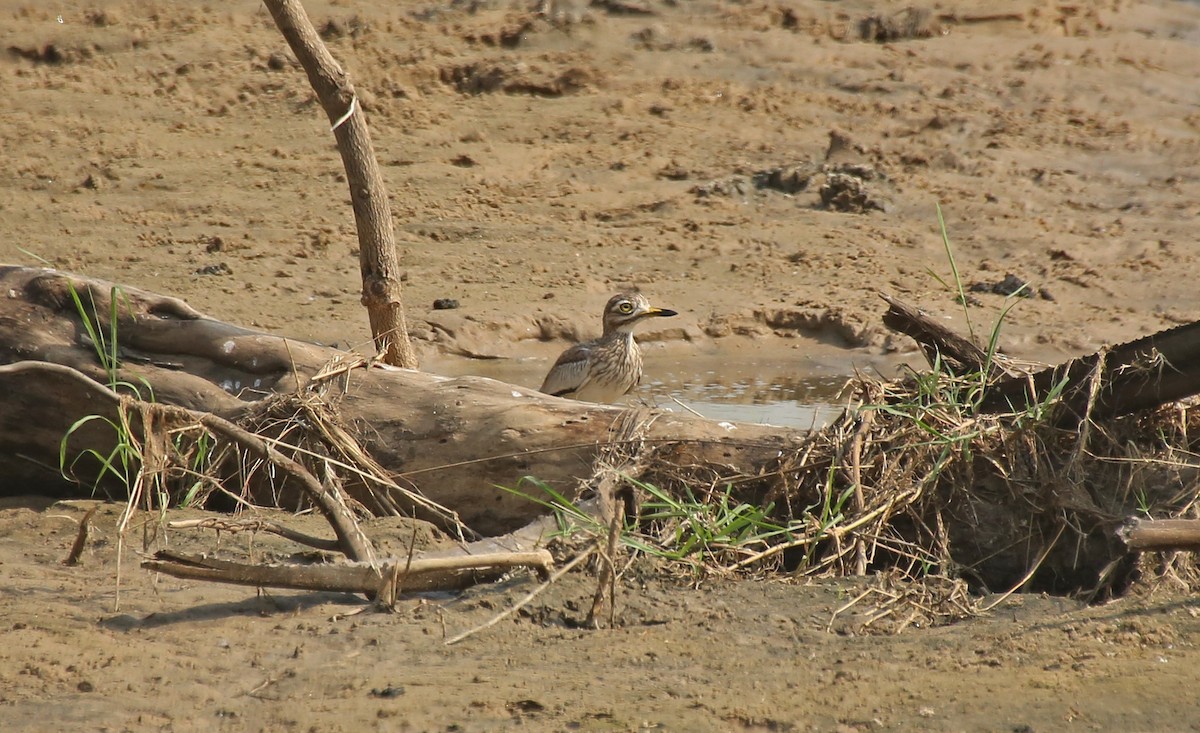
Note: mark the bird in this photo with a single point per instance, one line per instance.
(604, 369)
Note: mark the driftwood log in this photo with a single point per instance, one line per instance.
(937, 341)
(455, 441)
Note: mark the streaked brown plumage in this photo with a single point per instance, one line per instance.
(604, 369)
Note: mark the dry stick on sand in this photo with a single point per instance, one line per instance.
(80, 539)
(866, 419)
(368, 194)
(382, 582)
(612, 513)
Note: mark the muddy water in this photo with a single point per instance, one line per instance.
(753, 390)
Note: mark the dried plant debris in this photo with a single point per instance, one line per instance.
(789, 179)
(845, 186)
(55, 55)
(915, 480)
(891, 604)
(657, 38)
(848, 192)
(486, 78)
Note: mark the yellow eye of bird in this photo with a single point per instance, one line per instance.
(625, 307)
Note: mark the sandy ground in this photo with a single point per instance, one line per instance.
(731, 656)
(760, 167)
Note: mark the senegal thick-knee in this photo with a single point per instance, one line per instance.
(604, 369)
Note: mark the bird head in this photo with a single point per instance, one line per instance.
(626, 310)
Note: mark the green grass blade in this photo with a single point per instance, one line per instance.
(958, 284)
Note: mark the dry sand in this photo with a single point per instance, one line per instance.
(537, 164)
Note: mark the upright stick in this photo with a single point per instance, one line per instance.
(372, 214)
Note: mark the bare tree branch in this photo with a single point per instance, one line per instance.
(368, 194)
(394, 576)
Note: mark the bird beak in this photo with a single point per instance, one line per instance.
(660, 313)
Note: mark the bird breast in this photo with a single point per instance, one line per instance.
(616, 365)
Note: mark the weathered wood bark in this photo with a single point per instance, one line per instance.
(1138, 375)
(1147, 535)
(454, 440)
(936, 340)
(368, 195)
(1151, 371)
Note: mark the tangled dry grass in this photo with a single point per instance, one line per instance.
(915, 481)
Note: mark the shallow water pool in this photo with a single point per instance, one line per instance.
(740, 390)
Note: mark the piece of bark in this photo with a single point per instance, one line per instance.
(936, 340)
(1146, 535)
(368, 194)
